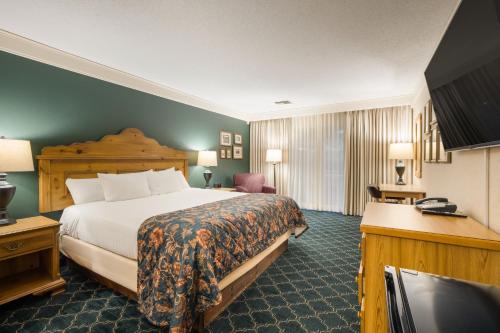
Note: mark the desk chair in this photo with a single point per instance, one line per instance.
(376, 194)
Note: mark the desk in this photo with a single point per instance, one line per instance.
(401, 236)
(401, 191)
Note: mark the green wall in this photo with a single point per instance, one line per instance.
(52, 106)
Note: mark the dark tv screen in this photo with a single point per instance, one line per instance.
(463, 77)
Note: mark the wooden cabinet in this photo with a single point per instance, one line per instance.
(400, 236)
(29, 258)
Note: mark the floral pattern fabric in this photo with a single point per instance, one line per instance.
(183, 254)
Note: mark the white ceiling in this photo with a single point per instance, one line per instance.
(245, 54)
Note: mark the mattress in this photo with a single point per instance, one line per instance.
(113, 226)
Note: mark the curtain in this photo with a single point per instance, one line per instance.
(272, 134)
(368, 134)
(317, 161)
(313, 158)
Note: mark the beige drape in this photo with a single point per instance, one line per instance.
(270, 134)
(317, 161)
(368, 134)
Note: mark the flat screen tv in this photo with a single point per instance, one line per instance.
(463, 77)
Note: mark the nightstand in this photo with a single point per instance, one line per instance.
(225, 189)
(29, 258)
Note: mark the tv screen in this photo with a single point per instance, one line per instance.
(463, 77)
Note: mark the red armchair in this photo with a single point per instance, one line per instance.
(251, 183)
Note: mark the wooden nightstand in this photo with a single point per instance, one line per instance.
(29, 258)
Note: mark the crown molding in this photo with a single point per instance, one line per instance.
(33, 50)
(337, 107)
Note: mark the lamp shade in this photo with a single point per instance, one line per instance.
(15, 156)
(274, 155)
(207, 158)
(401, 151)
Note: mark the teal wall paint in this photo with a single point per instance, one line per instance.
(52, 106)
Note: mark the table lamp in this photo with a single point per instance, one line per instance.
(207, 158)
(15, 156)
(400, 152)
(274, 156)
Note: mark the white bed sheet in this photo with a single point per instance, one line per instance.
(113, 226)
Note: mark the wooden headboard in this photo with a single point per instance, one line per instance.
(129, 151)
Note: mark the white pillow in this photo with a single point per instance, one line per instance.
(125, 186)
(164, 181)
(183, 184)
(85, 190)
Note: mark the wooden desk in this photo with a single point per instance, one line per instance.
(400, 236)
(401, 191)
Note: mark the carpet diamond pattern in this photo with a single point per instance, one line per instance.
(310, 288)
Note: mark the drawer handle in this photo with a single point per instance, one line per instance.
(14, 246)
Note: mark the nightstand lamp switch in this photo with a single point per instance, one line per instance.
(15, 156)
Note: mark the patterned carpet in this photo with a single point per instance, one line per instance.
(310, 288)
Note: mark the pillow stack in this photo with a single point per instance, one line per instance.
(119, 187)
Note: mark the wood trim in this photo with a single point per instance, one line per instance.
(229, 293)
(128, 151)
(233, 290)
(431, 237)
(30, 49)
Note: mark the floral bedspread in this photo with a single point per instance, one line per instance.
(183, 254)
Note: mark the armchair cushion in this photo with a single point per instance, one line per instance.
(251, 183)
(268, 189)
(240, 188)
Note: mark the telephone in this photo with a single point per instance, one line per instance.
(436, 205)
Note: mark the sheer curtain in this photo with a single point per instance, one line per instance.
(312, 170)
(317, 161)
(368, 134)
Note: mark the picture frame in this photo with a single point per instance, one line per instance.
(417, 139)
(238, 139)
(434, 143)
(433, 119)
(226, 138)
(442, 155)
(430, 118)
(223, 153)
(237, 152)
(229, 153)
(428, 147)
(425, 123)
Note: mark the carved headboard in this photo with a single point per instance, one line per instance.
(129, 151)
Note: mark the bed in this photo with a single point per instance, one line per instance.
(103, 238)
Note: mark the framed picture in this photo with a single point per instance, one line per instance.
(425, 123)
(434, 143)
(238, 139)
(417, 138)
(238, 152)
(442, 155)
(428, 147)
(432, 116)
(223, 153)
(229, 153)
(226, 138)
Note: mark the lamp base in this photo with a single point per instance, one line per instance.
(207, 174)
(400, 170)
(7, 221)
(7, 192)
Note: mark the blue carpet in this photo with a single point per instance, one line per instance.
(310, 288)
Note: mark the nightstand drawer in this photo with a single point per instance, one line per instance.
(18, 244)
